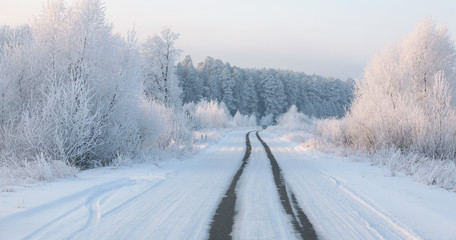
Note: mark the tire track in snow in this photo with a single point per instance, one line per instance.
(180, 207)
(90, 208)
(336, 210)
(223, 220)
(288, 200)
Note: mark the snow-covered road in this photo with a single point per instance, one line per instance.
(354, 200)
(179, 199)
(333, 208)
(260, 214)
(171, 203)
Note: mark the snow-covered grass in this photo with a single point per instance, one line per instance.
(441, 173)
(207, 136)
(328, 137)
(20, 173)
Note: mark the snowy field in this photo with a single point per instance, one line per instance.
(176, 199)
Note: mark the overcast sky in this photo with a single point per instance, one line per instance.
(330, 38)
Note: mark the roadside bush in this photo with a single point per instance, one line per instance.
(212, 114)
(208, 114)
(403, 110)
(294, 120)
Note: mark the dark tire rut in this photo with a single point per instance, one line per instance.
(299, 220)
(223, 220)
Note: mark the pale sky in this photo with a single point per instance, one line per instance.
(330, 38)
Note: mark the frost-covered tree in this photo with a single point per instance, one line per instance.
(72, 92)
(426, 51)
(228, 83)
(190, 83)
(291, 87)
(403, 98)
(247, 96)
(75, 83)
(15, 71)
(210, 71)
(273, 95)
(95, 58)
(160, 56)
(243, 90)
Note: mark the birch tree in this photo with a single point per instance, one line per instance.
(160, 56)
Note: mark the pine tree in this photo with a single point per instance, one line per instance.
(248, 95)
(273, 95)
(190, 83)
(228, 83)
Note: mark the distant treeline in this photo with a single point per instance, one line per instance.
(263, 91)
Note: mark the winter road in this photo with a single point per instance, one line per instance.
(222, 224)
(268, 186)
(223, 221)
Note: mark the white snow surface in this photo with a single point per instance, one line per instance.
(177, 199)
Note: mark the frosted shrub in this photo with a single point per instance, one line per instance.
(164, 128)
(436, 138)
(436, 172)
(150, 123)
(294, 126)
(240, 120)
(294, 120)
(69, 110)
(209, 114)
(332, 131)
(178, 135)
(426, 170)
(252, 120)
(59, 126)
(267, 120)
(122, 135)
(14, 171)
